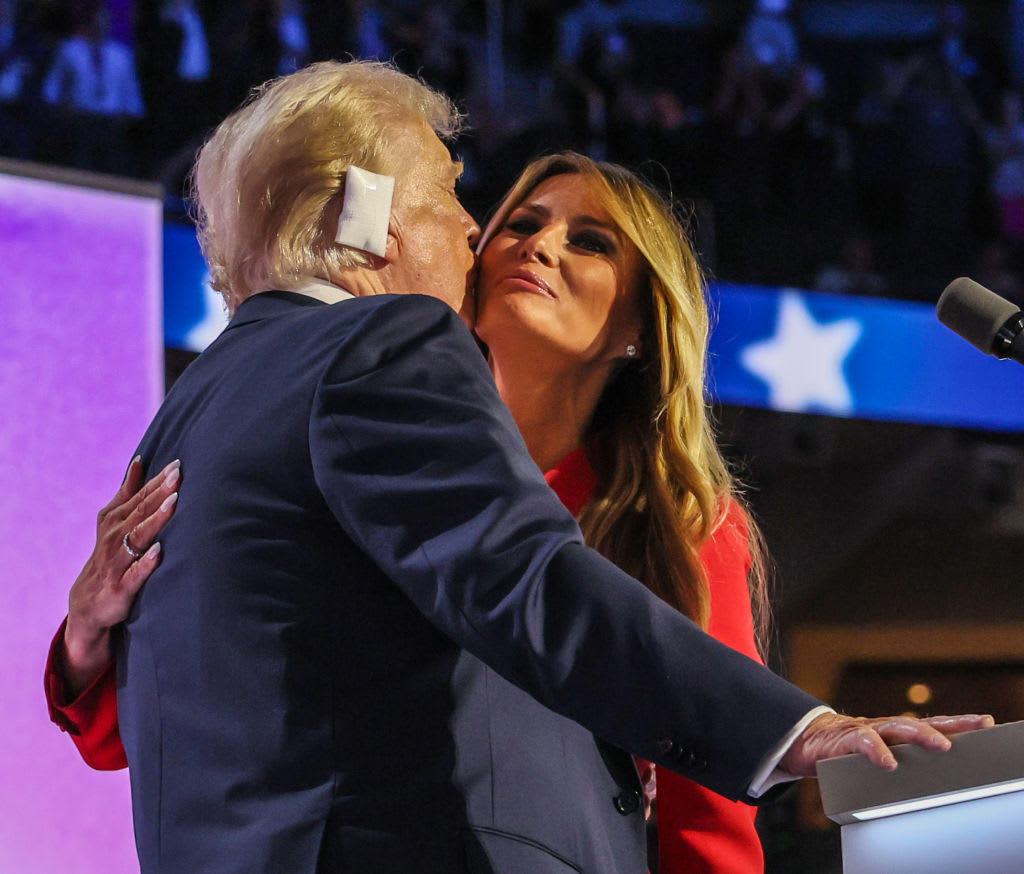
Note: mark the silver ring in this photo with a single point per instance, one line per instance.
(129, 549)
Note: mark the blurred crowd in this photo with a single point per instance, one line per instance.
(880, 153)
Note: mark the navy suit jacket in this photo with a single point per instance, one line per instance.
(376, 643)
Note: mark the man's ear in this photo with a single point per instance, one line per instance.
(392, 249)
(393, 245)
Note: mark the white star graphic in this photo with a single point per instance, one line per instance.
(803, 362)
(214, 320)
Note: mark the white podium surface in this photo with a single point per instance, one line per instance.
(941, 813)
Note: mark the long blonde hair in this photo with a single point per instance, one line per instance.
(664, 486)
(268, 182)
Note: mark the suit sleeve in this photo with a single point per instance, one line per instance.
(91, 718)
(422, 466)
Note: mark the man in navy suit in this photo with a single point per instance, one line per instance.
(376, 642)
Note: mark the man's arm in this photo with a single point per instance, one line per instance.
(424, 468)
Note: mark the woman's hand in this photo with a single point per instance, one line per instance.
(125, 554)
(833, 734)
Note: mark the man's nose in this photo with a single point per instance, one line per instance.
(472, 229)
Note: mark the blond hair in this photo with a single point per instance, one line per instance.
(663, 485)
(270, 179)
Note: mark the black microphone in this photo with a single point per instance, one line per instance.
(983, 318)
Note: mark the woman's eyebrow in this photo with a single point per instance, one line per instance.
(541, 209)
(534, 207)
(592, 220)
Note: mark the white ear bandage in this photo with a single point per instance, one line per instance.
(366, 211)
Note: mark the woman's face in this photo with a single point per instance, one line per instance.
(559, 270)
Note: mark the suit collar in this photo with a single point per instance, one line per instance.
(268, 304)
(321, 289)
(310, 292)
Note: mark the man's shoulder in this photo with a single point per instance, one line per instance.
(394, 315)
(376, 310)
(414, 303)
(387, 328)
(394, 306)
(360, 333)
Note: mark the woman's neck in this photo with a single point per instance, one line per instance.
(551, 404)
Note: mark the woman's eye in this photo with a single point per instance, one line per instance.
(592, 243)
(522, 226)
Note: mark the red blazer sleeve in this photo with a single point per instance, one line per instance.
(91, 719)
(698, 830)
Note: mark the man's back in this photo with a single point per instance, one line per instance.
(285, 706)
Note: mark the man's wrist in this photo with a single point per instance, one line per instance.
(769, 773)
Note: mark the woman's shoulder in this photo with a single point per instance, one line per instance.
(730, 539)
(726, 560)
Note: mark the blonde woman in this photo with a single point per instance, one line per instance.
(592, 306)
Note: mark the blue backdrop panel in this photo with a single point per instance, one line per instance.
(902, 364)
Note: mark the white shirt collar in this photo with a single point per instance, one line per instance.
(321, 289)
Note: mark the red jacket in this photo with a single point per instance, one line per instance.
(699, 831)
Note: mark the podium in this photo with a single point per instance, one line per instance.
(941, 813)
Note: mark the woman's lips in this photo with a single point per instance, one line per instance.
(538, 285)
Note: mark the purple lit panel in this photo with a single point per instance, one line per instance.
(80, 376)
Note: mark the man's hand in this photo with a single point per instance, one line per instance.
(105, 589)
(833, 734)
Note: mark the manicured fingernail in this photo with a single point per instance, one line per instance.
(153, 551)
(134, 461)
(172, 477)
(174, 464)
(169, 502)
